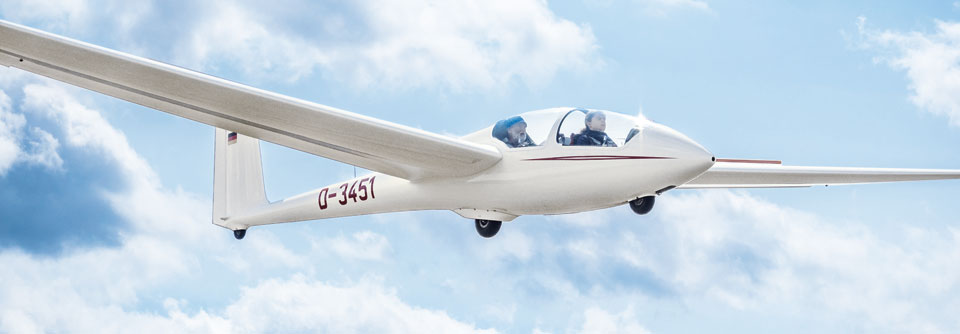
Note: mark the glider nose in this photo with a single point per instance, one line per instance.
(675, 144)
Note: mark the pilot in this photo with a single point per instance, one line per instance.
(513, 132)
(593, 134)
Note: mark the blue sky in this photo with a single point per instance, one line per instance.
(105, 205)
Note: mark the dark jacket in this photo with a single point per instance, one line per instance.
(589, 137)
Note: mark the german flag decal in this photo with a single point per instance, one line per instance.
(232, 138)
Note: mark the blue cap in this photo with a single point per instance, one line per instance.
(507, 123)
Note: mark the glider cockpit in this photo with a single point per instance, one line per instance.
(566, 127)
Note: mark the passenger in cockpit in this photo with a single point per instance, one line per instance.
(513, 132)
(593, 134)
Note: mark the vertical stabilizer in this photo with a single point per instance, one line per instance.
(237, 177)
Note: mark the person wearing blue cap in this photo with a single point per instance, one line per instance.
(513, 132)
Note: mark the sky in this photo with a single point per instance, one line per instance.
(105, 205)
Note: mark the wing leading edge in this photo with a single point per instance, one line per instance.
(347, 137)
(770, 175)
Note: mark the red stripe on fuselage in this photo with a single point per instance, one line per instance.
(597, 157)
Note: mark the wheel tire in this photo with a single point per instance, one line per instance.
(488, 228)
(239, 234)
(642, 205)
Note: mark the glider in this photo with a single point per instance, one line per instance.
(551, 161)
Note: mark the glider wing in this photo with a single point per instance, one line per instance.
(771, 174)
(336, 134)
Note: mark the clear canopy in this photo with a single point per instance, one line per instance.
(534, 128)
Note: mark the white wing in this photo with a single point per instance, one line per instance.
(328, 132)
(768, 174)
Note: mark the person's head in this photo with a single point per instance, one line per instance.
(516, 130)
(596, 121)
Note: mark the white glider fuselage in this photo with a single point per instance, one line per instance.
(546, 179)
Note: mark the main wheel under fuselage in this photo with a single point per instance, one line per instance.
(642, 205)
(487, 228)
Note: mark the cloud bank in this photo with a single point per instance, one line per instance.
(931, 61)
(456, 45)
(398, 45)
(18, 144)
(100, 288)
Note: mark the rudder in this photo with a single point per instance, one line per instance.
(237, 177)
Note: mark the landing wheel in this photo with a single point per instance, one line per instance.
(642, 205)
(488, 228)
(239, 234)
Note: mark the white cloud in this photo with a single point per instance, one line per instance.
(77, 16)
(752, 254)
(586, 249)
(85, 128)
(932, 63)
(42, 150)
(34, 147)
(164, 224)
(67, 12)
(13, 77)
(74, 302)
(693, 4)
(232, 33)
(755, 257)
(597, 320)
(299, 305)
(513, 245)
(171, 240)
(455, 45)
(363, 245)
(658, 7)
(501, 313)
(10, 128)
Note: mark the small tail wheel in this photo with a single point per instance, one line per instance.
(488, 228)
